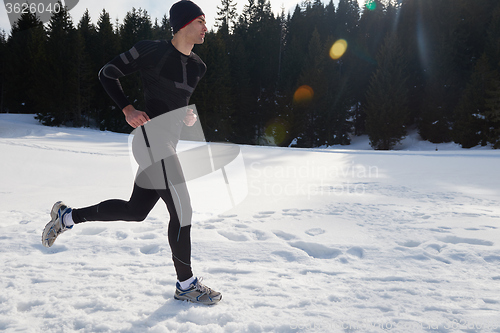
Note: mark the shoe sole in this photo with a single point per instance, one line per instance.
(46, 231)
(188, 300)
(53, 215)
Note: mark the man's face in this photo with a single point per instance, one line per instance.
(195, 31)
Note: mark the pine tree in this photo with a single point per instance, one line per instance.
(492, 112)
(244, 100)
(226, 16)
(471, 39)
(470, 127)
(60, 97)
(3, 55)
(347, 19)
(330, 19)
(492, 50)
(315, 17)
(492, 45)
(107, 48)
(106, 40)
(136, 26)
(88, 84)
(347, 28)
(260, 34)
(25, 57)
(294, 51)
(339, 101)
(163, 31)
(213, 96)
(443, 85)
(307, 111)
(372, 29)
(387, 97)
(413, 33)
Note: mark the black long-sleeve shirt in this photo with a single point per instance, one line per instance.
(168, 76)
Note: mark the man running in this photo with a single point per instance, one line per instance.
(170, 72)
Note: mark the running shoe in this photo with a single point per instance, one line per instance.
(197, 293)
(56, 226)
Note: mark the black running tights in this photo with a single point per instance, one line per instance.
(137, 208)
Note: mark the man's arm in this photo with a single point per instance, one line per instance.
(109, 76)
(135, 118)
(124, 64)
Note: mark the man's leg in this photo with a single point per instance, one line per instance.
(176, 198)
(179, 238)
(63, 217)
(137, 208)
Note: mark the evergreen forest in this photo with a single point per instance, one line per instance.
(312, 77)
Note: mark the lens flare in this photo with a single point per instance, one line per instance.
(303, 94)
(371, 5)
(338, 49)
(276, 131)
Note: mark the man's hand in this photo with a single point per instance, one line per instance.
(190, 118)
(134, 117)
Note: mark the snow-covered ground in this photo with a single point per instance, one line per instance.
(327, 240)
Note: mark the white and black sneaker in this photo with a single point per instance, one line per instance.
(197, 293)
(56, 225)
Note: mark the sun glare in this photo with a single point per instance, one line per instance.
(371, 5)
(303, 94)
(338, 49)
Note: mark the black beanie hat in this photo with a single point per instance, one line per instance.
(182, 13)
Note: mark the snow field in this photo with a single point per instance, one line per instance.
(327, 240)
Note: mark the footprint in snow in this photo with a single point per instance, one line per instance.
(410, 244)
(436, 247)
(120, 235)
(148, 236)
(150, 249)
(263, 215)
(316, 250)
(291, 212)
(227, 216)
(286, 255)
(221, 218)
(283, 235)
(27, 306)
(315, 231)
(356, 251)
(460, 240)
(492, 259)
(215, 220)
(490, 301)
(259, 235)
(489, 226)
(421, 215)
(249, 234)
(233, 236)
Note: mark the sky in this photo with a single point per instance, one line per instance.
(155, 8)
